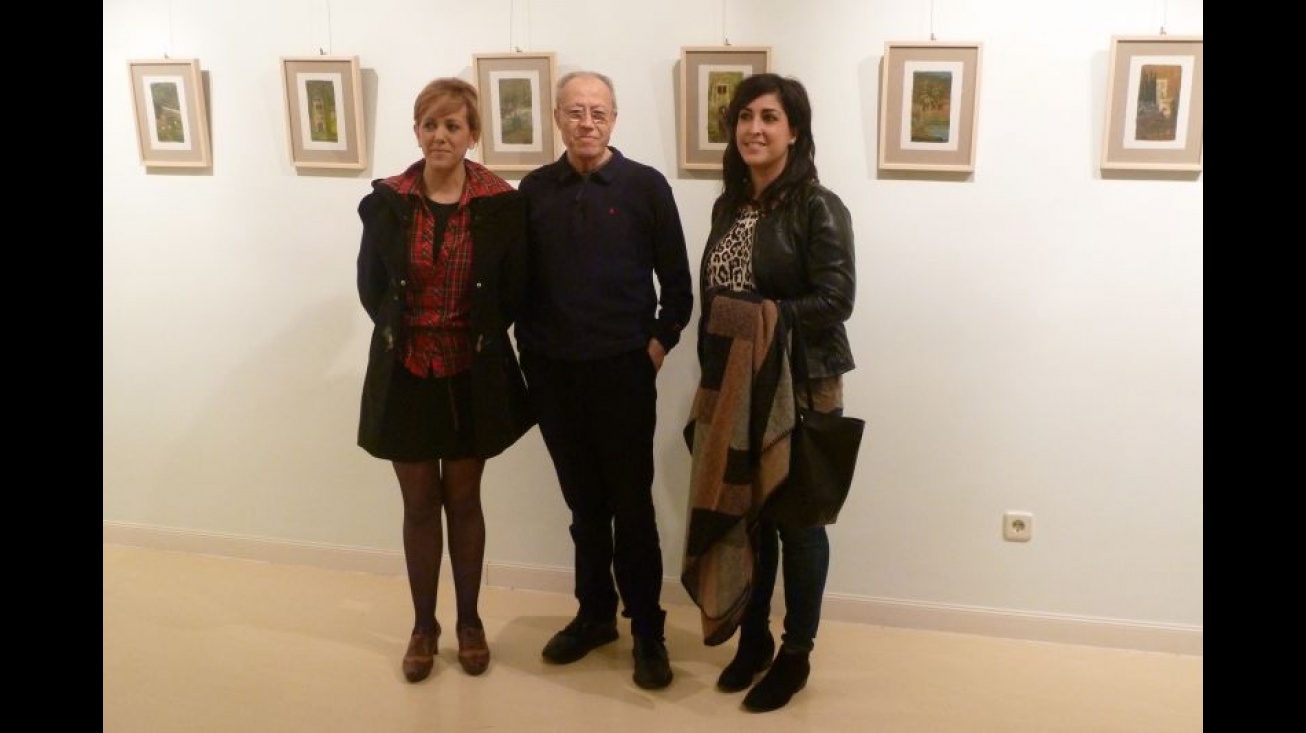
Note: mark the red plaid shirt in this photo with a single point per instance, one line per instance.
(438, 319)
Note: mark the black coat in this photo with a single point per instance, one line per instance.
(803, 257)
(500, 403)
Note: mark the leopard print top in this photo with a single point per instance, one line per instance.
(730, 261)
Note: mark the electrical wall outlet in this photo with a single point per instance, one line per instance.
(1017, 526)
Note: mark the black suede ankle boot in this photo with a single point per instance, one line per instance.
(788, 675)
(753, 655)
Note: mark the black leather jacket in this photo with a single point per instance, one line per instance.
(803, 257)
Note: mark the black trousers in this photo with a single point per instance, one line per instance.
(597, 419)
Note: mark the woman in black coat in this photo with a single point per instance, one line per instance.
(441, 273)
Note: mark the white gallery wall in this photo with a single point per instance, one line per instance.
(1028, 338)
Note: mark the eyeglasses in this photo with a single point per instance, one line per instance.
(576, 115)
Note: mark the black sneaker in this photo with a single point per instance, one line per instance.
(652, 668)
(578, 638)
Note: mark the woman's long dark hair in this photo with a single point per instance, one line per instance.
(800, 168)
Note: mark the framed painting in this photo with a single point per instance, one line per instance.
(172, 126)
(1154, 104)
(708, 77)
(929, 105)
(516, 99)
(324, 111)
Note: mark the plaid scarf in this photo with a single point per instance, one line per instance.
(738, 433)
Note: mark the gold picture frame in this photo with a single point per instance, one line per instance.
(172, 125)
(324, 111)
(516, 104)
(1154, 103)
(929, 105)
(708, 77)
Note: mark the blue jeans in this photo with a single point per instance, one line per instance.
(806, 564)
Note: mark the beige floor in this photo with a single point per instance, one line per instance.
(195, 643)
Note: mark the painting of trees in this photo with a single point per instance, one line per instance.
(166, 98)
(1158, 102)
(516, 116)
(931, 106)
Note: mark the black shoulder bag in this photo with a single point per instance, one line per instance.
(822, 455)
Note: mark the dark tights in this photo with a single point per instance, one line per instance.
(458, 493)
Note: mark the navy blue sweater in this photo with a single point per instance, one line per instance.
(596, 244)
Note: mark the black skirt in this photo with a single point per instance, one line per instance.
(426, 418)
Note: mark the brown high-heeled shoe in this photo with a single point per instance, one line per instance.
(473, 651)
(420, 656)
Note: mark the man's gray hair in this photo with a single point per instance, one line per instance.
(557, 92)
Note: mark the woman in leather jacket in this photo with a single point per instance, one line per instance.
(441, 273)
(777, 231)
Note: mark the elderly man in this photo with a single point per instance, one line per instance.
(592, 338)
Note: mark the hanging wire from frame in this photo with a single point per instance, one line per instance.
(320, 50)
(512, 25)
(931, 20)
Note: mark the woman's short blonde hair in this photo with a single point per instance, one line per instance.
(446, 94)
